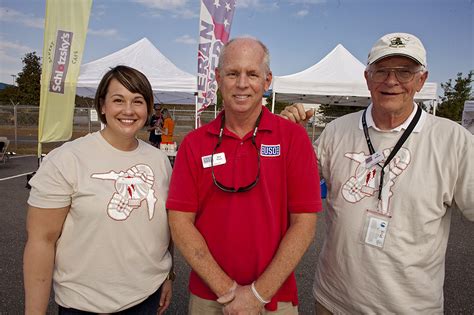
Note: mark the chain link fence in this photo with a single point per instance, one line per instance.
(19, 123)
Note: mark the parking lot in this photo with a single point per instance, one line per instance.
(459, 284)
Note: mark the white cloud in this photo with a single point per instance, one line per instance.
(103, 32)
(248, 4)
(98, 11)
(6, 75)
(186, 39)
(165, 5)
(13, 51)
(308, 1)
(302, 13)
(187, 14)
(13, 16)
(275, 4)
(7, 60)
(14, 46)
(178, 8)
(10, 58)
(260, 5)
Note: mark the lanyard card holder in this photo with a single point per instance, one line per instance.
(375, 229)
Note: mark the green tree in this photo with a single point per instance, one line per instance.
(84, 101)
(28, 80)
(279, 106)
(219, 100)
(8, 95)
(425, 107)
(452, 103)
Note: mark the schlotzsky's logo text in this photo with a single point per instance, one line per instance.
(61, 62)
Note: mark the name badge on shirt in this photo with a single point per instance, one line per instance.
(375, 158)
(376, 230)
(219, 159)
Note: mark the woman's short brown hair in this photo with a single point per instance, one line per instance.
(132, 79)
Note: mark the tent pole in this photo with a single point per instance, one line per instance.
(195, 111)
(314, 125)
(273, 101)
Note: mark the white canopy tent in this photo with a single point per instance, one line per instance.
(468, 116)
(338, 79)
(170, 84)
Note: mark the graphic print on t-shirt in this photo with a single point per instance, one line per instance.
(365, 182)
(132, 187)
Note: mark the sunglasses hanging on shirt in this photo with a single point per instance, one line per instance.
(252, 184)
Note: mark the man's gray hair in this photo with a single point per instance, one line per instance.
(266, 52)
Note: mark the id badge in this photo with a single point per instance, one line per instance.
(375, 229)
(373, 159)
(219, 159)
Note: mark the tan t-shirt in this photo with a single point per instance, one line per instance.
(113, 249)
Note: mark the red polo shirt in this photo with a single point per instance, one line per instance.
(243, 230)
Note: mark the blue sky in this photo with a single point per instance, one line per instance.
(298, 32)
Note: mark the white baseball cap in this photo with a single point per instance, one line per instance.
(398, 44)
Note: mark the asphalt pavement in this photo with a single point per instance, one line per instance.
(458, 290)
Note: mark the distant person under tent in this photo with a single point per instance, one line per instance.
(155, 125)
(168, 127)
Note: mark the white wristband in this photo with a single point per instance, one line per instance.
(258, 296)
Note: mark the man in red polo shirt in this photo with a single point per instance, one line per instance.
(244, 195)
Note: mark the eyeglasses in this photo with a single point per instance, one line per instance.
(243, 188)
(403, 74)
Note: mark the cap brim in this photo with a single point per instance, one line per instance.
(397, 54)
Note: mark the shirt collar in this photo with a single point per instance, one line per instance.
(370, 121)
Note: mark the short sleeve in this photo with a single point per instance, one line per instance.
(464, 187)
(304, 193)
(49, 188)
(183, 191)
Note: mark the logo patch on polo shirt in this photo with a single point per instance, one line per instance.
(270, 150)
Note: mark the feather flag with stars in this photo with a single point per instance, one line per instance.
(214, 31)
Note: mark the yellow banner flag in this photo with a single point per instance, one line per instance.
(65, 33)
